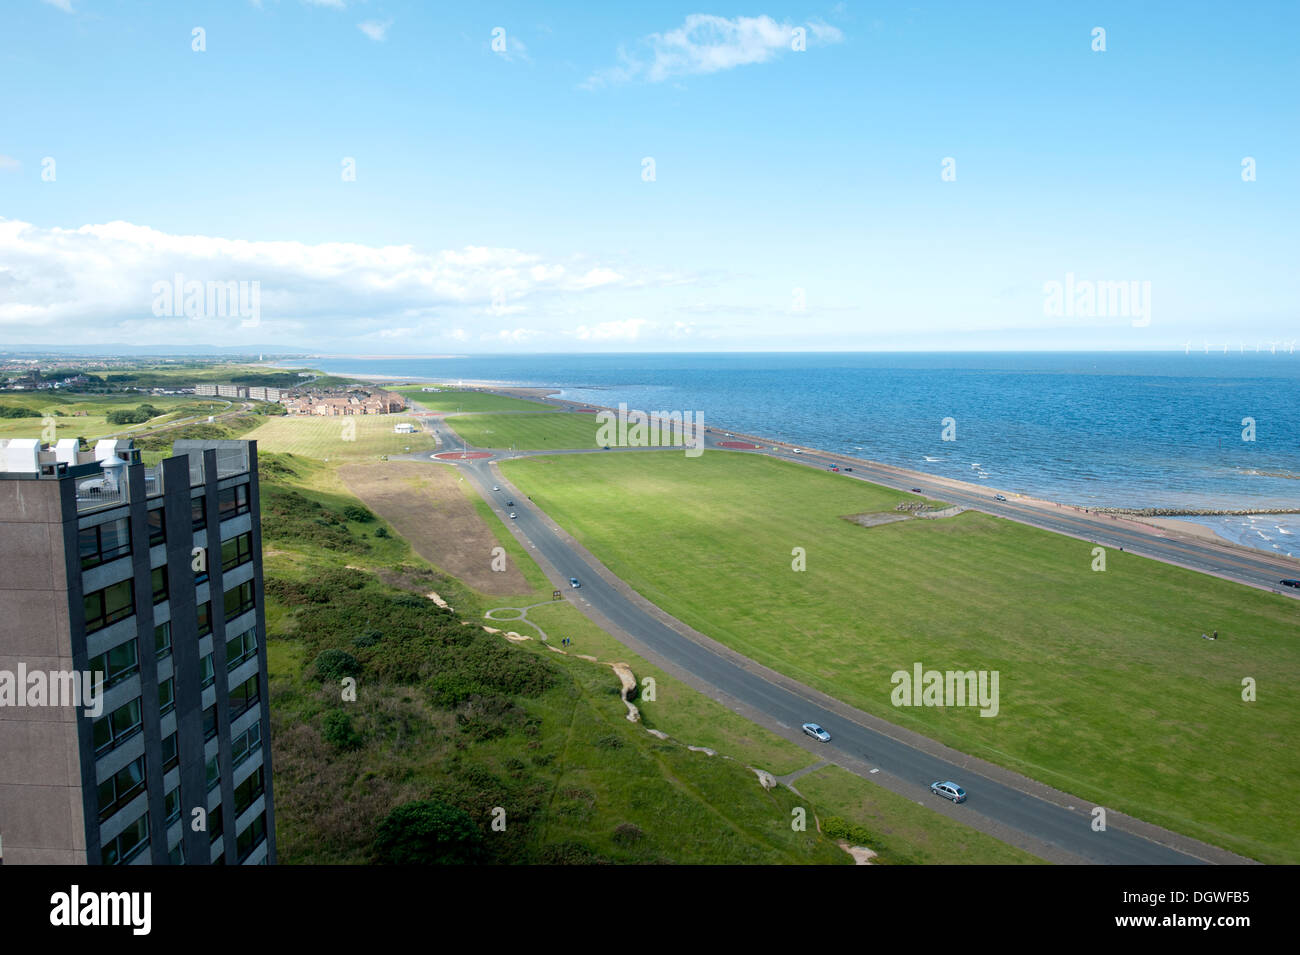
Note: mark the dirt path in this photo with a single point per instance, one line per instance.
(427, 507)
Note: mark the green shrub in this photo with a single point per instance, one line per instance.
(381, 531)
(428, 833)
(336, 664)
(355, 512)
(338, 732)
(9, 411)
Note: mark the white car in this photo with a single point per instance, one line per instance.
(816, 732)
(797, 451)
(495, 488)
(513, 515)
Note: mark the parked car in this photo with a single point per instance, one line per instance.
(1288, 582)
(495, 488)
(848, 469)
(834, 469)
(916, 490)
(513, 515)
(797, 451)
(607, 447)
(816, 732)
(573, 582)
(510, 503)
(948, 790)
(998, 497)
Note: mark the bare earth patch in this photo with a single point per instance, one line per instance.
(875, 518)
(427, 507)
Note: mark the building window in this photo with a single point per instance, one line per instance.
(117, 664)
(205, 618)
(241, 648)
(246, 793)
(233, 501)
(245, 744)
(199, 511)
(115, 602)
(252, 837)
(210, 722)
(120, 788)
(157, 526)
(118, 726)
(172, 805)
(177, 855)
(166, 696)
(128, 845)
(244, 696)
(162, 639)
(214, 771)
(170, 754)
(158, 580)
(239, 600)
(104, 542)
(216, 825)
(236, 551)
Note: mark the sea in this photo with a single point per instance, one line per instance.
(1188, 429)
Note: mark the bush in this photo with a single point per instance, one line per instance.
(355, 512)
(381, 531)
(9, 411)
(625, 834)
(428, 833)
(610, 742)
(336, 664)
(338, 732)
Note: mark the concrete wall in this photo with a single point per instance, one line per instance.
(41, 806)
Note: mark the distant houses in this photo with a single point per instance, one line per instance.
(314, 401)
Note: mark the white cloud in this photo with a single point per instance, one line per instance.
(627, 330)
(335, 4)
(64, 5)
(8, 163)
(95, 283)
(375, 30)
(705, 43)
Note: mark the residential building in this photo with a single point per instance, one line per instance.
(153, 578)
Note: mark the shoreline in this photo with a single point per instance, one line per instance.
(1158, 526)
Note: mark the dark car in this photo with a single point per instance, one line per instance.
(510, 503)
(1289, 582)
(916, 490)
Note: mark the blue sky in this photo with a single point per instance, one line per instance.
(499, 201)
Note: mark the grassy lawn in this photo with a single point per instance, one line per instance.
(1106, 688)
(328, 438)
(468, 401)
(904, 831)
(561, 430)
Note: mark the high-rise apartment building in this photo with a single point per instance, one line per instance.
(152, 577)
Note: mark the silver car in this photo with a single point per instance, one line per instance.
(816, 732)
(948, 790)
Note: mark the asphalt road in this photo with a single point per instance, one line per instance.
(1067, 829)
(1053, 824)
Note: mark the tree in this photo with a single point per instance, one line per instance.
(428, 833)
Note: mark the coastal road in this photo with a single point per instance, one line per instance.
(790, 705)
(1000, 802)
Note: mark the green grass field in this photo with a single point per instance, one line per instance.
(1106, 689)
(560, 431)
(71, 422)
(448, 401)
(346, 438)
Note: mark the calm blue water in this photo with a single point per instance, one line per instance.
(1106, 429)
